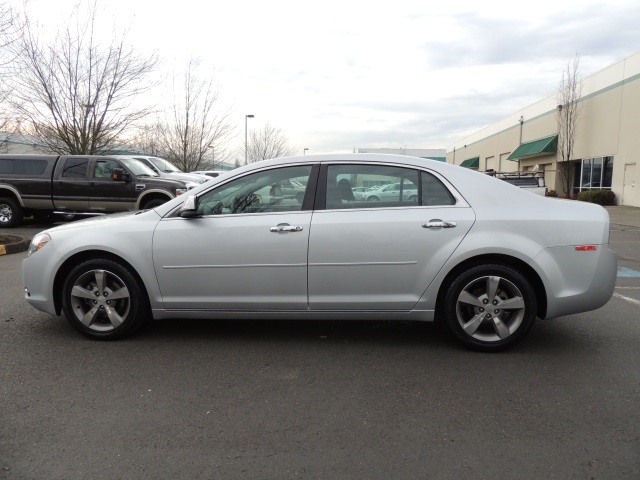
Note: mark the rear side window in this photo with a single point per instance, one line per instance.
(434, 193)
(371, 186)
(10, 166)
(75, 168)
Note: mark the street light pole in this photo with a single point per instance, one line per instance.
(245, 137)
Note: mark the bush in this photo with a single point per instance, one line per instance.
(601, 197)
(551, 193)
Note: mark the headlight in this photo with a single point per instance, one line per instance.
(180, 191)
(39, 241)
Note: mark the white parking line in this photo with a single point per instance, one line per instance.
(630, 300)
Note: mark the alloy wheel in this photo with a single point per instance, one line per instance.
(490, 308)
(100, 300)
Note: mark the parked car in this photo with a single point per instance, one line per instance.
(478, 254)
(360, 193)
(394, 191)
(166, 169)
(210, 173)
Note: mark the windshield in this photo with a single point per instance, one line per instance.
(137, 167)
(164, 165)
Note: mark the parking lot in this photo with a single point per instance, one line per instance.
(270, 399)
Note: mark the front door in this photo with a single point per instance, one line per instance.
(629, 184)
(246, 250)
(108, 195)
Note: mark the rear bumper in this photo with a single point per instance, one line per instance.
(576, 281)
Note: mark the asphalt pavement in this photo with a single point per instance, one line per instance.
(268, 399)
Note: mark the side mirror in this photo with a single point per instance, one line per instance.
(189, 208)
(119, 175)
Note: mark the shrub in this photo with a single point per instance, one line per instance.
(601, 197)
(551, 193)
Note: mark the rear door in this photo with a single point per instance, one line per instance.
(381, 255)
(72, 185)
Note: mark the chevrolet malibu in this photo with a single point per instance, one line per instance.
(477, 254)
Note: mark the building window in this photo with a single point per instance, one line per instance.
(595, 174)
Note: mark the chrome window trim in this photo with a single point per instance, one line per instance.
(460, 200)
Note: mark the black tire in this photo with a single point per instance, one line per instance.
(489, 307)
(11, 213)
(99, 316)
(373, 199)
(156, 202)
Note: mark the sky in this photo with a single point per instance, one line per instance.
(339, 75)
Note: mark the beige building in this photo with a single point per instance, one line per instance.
(607, 142)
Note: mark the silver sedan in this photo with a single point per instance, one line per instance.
(481, 256)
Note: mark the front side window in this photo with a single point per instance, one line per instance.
(75, 168)
(104, 168)
(275, 190)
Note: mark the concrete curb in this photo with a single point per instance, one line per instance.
(19, 245)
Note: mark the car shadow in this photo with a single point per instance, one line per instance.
(297, 331)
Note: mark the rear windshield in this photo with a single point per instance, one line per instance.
(14, 166)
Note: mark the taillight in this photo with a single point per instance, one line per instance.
(586, 248)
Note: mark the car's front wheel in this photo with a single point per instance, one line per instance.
(103, 300)
(489, 307)
(156, 202)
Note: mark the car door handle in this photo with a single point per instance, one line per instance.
(438, 224)
(285, 227)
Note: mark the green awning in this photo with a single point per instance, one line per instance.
(543, 146)
(471, 162)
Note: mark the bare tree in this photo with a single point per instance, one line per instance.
(8, 29)
(75, 94)
(269, 142)
(568, 117)
(148, 140)
(195, 134)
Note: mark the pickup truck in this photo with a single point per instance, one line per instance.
(41, 185)
(530, 181)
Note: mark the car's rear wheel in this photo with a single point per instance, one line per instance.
(489, 307)
(373, 199)
(103, 300)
